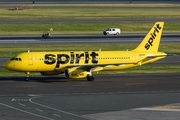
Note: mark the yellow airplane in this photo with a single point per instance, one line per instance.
(81, 64)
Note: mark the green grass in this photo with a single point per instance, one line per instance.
(140, 69)
(97, 5)
(87, 13)
(84, 11)
(85, 28)
(102, 11)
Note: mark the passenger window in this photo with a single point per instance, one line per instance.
(16, 59)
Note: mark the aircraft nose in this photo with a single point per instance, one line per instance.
(8, 66)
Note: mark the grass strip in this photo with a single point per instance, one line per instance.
(98, 5)
(76, 12)
(140, 69)
(127, 11)
(87, 13)
(84, 28)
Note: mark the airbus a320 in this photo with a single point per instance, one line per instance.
(81, 64)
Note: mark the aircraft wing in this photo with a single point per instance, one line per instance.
(97, 67)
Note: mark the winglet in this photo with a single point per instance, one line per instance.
(152, 39)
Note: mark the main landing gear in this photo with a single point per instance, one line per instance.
(27, 76)
(89, 75)
(90, 78)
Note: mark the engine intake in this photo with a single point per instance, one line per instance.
(76, 73)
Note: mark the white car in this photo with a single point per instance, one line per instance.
(112, 31)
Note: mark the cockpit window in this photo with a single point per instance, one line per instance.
(12, 58)
(17, 59)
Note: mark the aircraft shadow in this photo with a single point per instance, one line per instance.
(44, 79)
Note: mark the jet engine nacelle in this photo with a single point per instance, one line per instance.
(76, 73)
(50, 73)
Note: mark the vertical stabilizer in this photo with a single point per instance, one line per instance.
(152, 39)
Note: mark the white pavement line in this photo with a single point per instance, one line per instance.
(56, 115)
(21, 104)
(17, 40)
(38, 109)
(158, 109)
(26, 111)
(57, 109)
(22, 100)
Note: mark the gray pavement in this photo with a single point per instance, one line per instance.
(81, 39)
(109, 97)
(120, 96)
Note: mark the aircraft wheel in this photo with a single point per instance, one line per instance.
(90, 78)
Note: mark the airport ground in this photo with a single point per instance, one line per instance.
(152, 96)
(115, 96)
(110, 96)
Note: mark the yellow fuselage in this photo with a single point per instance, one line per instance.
(59, 61)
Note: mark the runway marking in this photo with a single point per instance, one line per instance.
(25, 111)
(21, 104)
(38, 109)
(22, 100)
(157, 109)
(81, 85)
(56, 109)
(25, 86)
(129, 92)
(168, 107)
(17, 40)
(56, 115)
(33, 95)
(135, 83)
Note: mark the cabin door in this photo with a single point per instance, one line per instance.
(30, 59)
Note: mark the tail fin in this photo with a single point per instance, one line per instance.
(152, 39)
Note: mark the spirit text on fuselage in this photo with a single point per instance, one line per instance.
(71, 58)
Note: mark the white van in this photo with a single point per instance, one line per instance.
(112, 31)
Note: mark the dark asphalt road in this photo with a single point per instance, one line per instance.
(108, 97)
(81, 39)
(116, 83)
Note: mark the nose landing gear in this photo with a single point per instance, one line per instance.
(90, 78)
(27, 76)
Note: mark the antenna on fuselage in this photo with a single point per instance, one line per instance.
(28, 50)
